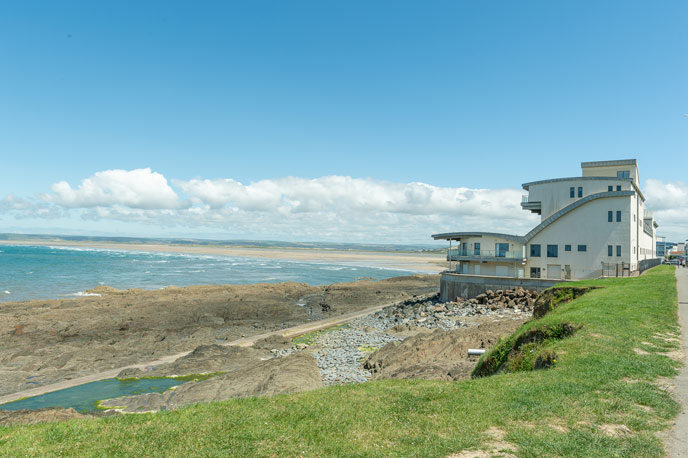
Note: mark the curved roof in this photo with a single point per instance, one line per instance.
(463, 235)
(569, 208)
(554, 180)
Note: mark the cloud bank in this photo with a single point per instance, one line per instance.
(330, 208)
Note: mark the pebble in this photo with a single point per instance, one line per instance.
(341, 353)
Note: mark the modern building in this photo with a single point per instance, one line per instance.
(590, 226)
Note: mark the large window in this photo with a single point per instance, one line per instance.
(572, 192)
(610, 250)
(623, 174)
(535, 251)
(610, 216)
(582, 248)
(534, 272)
(501, 249)
(552, 251)
(618, 250)
(476, 249)
(618, 216)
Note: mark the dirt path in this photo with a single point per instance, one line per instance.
(677, 444)
(245, 342)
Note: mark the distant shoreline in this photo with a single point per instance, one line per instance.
(418, 262)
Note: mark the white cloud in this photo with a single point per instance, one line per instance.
(328, 208)
(670, 204)
(139, 188)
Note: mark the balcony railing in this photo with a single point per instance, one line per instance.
(459, 254)
(524, 199)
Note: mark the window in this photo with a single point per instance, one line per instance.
(618, 187)
(610, 188)
(582, 248)
(572, 192)
(476, 249)
(552, 251)
(618, 250)
(623, 174)
(501, 249)
(580, 191)
(618, 216)
(567, 247)
(610, 216)
(534, 272)
(535, 252)
(610, 250)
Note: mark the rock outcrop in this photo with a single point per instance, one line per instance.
(291, 374)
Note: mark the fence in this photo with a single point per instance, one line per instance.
(648, 264)
(616, 270)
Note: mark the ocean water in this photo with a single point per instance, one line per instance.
(48, 272)
(83, 398)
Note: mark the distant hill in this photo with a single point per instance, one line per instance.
(228, 243)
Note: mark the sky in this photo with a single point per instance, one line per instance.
(381, 121)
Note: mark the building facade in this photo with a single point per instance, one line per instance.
(590, 226)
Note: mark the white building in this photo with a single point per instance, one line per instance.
(590, 226)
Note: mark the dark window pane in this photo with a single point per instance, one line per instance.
(618, 188)
(618, 250)
(610, 216)
(610, 250)
(580, 192)
(535, 251)
(476, 249)
(552, 251)
(582, 248)
(618, 216)
(610, 188)
(572, 192)
(567, 247)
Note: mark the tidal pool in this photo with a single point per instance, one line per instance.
(83, 398)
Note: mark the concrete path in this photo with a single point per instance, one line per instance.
(677, 443)
(245, 342)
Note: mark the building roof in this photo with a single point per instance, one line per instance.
(463, 235)
(554, 180)
(609, 163)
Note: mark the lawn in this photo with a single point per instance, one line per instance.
(602, 397)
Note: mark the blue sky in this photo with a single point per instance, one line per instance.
(454, 95)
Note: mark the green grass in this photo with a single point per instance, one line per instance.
(598, 380)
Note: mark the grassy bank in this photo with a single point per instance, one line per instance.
(603, 397)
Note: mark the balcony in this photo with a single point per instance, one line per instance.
(534, 207)
(463, 254)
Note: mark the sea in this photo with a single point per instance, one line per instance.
(57, 272)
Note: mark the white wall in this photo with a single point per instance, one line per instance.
(610, 171)
(586, 225)
(556, 195)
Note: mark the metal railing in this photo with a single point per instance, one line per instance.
(455, 253)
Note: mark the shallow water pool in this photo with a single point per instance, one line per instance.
(83, 398)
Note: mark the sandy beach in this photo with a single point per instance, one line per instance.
(415, 262)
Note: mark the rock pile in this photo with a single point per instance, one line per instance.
(511, 298)
(339, 354)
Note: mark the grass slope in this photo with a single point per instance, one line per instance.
(572, 409)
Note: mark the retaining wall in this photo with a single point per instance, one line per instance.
(454, 285)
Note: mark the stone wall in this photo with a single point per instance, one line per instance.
(454, 285)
